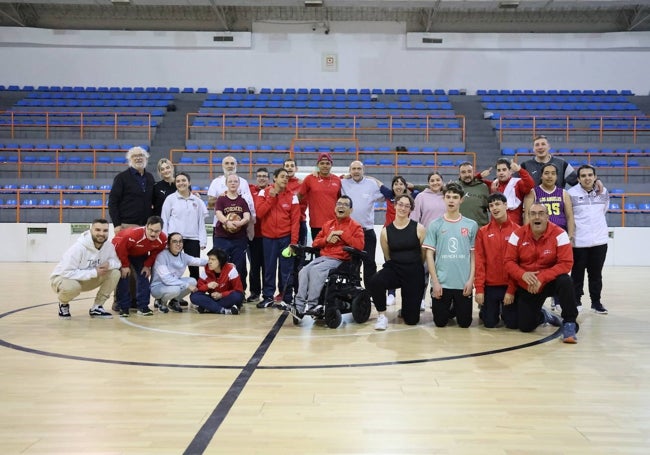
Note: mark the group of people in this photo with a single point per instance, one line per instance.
(463, 237)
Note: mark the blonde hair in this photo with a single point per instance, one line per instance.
(162, 161)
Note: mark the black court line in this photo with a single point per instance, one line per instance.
(269, 367)
(212, 424)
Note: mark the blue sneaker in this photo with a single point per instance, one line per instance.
(569, 333)
(550, 318)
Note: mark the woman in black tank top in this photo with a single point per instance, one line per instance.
(401, 243)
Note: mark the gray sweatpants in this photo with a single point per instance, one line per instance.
(311, 279)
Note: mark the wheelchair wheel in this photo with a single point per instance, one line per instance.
(361, 307)
(332, 317)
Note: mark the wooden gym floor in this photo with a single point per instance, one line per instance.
(257, 384)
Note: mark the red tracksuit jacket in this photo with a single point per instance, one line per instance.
(352, 236)
(551, 254)
(280, 215)
(134, 242)
(227, 281)
(490, 251)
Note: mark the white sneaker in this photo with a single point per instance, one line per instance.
(382, 322)
(423, 305)
(390, 300)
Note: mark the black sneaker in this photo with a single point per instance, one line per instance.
(156, 303)
(253, 298)
(99, 312)
(64, 311)
(297, 315)
(201, 310)
(175, 305)
(182, 302)
(231, 310)
(145, 312)
(124, 313)
(598, 308)
(266, 303)
(162, 307)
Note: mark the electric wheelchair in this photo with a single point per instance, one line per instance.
(342, 291)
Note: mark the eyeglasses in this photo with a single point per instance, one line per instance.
(342, 204)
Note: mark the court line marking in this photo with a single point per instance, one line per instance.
(282, 317)
(202, 439)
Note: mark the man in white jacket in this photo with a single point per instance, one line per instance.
(88, 264)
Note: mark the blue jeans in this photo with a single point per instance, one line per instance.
(123, 292)
(236, 249)
(272, 256)
(215, 306)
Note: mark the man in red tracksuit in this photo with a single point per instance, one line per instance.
(294, 185)
(336, 234)
(495, 291)
(137, 248)
(513, 188)
(539, 258)
(321, 192)
(279, 212)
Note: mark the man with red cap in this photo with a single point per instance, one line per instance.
(321, 192)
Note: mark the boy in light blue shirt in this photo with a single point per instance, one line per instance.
(449, 250)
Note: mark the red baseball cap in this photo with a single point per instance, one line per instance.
(324, 156)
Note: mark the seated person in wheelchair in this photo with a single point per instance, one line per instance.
(336, 233)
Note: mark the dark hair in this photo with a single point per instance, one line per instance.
(220, 254)
(169, 237)
(453, 187)
(277, 172)
(586, 166)
(497, 197)
(99, 221)
(185, 174)
(505, 161)
(406, 196)
(262, 169)
(540, 136)
(289, 159)
(557, 172)
(395, 179)
(348, 198)
(154, 219)
(431, 174)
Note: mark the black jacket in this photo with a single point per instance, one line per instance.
(127, 202)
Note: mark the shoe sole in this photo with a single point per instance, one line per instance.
(599, 312)
(65, 317)
(103, 316)
(145, 314)
(570, 340)
(380, 329)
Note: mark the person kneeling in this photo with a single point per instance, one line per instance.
(168, 284)
(221, 290)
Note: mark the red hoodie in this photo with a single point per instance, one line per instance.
(551, 255)
(227, 281)
(489, 251)
(279, 215)
(134, 242)
(352, 236)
